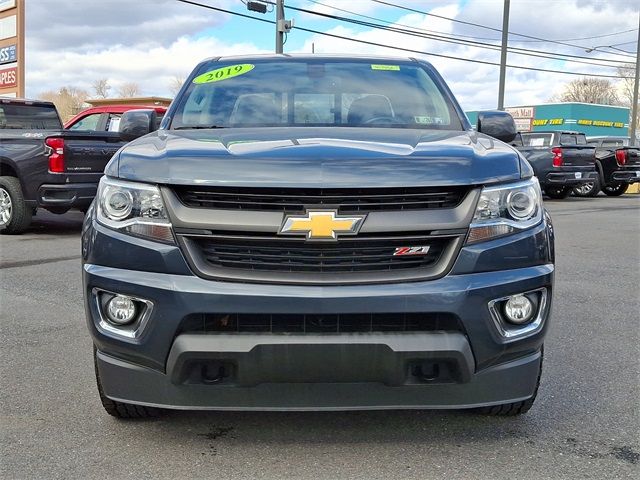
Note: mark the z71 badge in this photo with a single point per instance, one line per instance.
(411, 251)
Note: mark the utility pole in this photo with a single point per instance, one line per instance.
(280, 25)
(634, 105)
(503, 54)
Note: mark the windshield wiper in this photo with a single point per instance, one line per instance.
(198, 127)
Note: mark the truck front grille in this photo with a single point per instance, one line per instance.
(319, 323)
(296, 199)
(359, 254)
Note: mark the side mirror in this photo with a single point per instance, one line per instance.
(497, 124)
(136, 123)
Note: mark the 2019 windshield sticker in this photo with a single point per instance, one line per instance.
(386, 67)
(224, 73)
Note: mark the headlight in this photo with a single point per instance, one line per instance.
(506, 209)
(133, 208)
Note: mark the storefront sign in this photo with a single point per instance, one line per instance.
(521, 112)
(8, 54)
(7, 4)
(522, 124)
(8, 77)
(547, 121)
(600, 123)
(8, 27)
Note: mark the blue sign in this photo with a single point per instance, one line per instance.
(8, 54)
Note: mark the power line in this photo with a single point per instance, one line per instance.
(471, 43)
(474, 36)
(451, 57)
(238, 14)
(483, 26)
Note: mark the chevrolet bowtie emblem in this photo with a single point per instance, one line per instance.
(321, 224)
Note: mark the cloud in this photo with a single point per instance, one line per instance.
(151, 68)
(475, 84)
(150, 41)
(144, 41)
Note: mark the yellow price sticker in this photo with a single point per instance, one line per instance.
(386, 67)
(223, 73)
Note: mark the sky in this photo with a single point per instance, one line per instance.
(151, 42)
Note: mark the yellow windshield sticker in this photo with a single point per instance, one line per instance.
(223, 73)
(385, 67)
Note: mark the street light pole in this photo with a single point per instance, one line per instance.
(503, 54)
(634, 104)
(280, 28)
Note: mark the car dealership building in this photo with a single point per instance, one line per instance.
(588, 118)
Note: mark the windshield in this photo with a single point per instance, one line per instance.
(29, 117)
(314, 93)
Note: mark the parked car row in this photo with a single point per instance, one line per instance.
(618, 166)
(570, 163)
(45, 165)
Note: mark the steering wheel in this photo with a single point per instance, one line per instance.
(381, 120)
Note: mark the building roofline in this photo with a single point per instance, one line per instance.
(567, 103)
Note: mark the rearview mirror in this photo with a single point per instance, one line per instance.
(497, 124)
(136, 123)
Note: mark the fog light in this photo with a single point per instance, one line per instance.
(518, 309)
(121, 310)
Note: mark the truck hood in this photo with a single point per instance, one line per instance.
(316, 157)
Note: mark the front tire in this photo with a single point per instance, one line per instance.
(120, 409)
(557, 193)
(15, 215)
(515, 408)
(589, 189)
(615, 189)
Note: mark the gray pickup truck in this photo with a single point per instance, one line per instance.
(317, 233)
(44, 166)
(562, 161)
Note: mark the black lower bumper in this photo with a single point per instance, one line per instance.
(508, 382)
(571, 178)
(71, 195)
(626, 176)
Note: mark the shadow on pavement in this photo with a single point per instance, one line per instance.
(69, 223)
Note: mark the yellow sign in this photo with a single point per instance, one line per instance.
(321, 225)
(552, 121)
(385, 67)
(223, 73)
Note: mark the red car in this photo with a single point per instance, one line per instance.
(106, 118)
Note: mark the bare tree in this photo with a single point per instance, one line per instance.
(175, 84)
(589, 90)
(128, 90)
(101, 87)
(68, 100)
(626, 73)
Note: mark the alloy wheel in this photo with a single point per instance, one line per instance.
(5, 207)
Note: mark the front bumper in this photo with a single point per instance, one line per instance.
(164, 365)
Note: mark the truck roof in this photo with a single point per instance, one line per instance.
(314, 56)
(25, 101)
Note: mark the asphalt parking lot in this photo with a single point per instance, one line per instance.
(585, 423)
